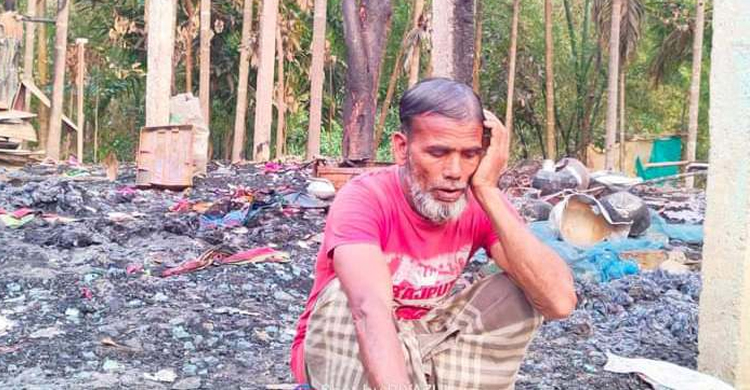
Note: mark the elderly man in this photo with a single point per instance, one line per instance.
(382, 313)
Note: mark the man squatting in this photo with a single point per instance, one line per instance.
(381, 313)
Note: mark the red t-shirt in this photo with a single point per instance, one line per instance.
(425, 259)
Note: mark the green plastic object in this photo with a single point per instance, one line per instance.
(666, 149)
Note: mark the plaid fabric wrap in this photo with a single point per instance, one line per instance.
(475, 340)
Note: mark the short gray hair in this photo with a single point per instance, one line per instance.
(440, 96)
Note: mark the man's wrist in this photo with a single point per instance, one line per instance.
(485, 194)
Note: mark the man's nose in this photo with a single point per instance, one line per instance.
(452, 168)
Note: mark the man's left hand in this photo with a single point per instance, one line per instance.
(495, 160)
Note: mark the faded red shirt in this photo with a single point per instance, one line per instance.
(425, 259)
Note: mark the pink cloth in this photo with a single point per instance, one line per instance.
(425, 259)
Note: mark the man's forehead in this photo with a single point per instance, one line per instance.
(435, 124)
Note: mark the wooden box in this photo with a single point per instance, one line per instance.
(165, 157)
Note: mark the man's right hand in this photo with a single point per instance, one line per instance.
(366, 281)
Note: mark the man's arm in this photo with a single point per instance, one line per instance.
(537, 269)
(366, 281)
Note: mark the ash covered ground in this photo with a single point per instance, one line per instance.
(83, 305)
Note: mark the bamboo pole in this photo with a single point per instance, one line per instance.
(549, 79)
(695, 86)
(190, 12)
(28, 51)
(478, 17)
(58, 84)
(512, 68)
(280, 96)
(205, 61)
(240, 116)
(415, 51)
(42, 71)
(96, 128)
(81, 72)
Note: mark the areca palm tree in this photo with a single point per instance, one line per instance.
(620, 39)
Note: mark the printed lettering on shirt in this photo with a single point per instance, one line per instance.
(423, 283)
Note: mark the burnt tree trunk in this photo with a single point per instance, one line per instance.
(453, 39)
(365, 33)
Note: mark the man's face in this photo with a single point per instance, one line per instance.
(439, 158)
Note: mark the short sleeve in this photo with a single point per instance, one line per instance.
(355, 217)
(485, 231)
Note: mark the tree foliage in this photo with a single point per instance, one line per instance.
(657, 81)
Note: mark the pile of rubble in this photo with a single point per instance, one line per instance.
(103, 285)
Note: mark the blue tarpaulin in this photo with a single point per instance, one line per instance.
(602, 261)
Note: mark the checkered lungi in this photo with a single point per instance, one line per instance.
(475, 340)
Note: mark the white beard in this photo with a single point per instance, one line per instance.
(432, 209)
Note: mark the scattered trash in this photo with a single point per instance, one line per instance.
(220, 256)
(12, 222)
(134, 268)
(189, 383)
(303, 200)
(615, 181)
(86, 293)
(664, 375)
(568, 174)
(582, 220)
(46, 333)
(185, 109)
(165, 375)
(257, 255)
(224, 324)
(204, 260)
(272, 167)
(687, 233)
(5, 325)
(535, 210)
(111, 365)
(321, 188)
(624, 207)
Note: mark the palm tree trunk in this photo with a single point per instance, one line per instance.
(264, 83)
(58, 84)
(206, 34)
(477, 47)
(512, 68)
(317, 78)
(614, 63)
(238, 146)
(621, 91)
(695, 87)
(415, 51)
(280, 97)
(549, 81)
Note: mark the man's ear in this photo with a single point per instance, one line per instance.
(400, 145)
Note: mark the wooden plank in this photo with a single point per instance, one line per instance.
(23, 131)
(28, 84)
(15, 114)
